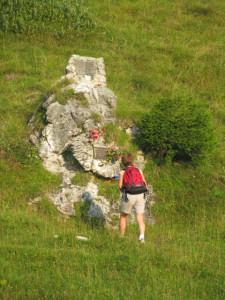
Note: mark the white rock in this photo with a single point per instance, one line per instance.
(81, 238)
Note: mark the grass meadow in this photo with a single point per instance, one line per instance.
(151, 49)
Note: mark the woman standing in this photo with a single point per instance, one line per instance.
(133, 186)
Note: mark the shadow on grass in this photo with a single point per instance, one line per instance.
(82, 212)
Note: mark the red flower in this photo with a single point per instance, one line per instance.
(94, 134)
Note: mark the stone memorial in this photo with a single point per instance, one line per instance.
(64, 144)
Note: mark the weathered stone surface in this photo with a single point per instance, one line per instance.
(68, 124)
(80, 68)
(99, 208)
(65, 198)
(105, 169)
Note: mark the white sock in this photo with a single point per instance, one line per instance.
(141, 237)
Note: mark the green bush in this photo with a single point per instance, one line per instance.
(58, 16)
(179, 128)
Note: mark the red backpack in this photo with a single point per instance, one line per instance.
(133, 182)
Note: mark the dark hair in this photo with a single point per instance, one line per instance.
(127, 160)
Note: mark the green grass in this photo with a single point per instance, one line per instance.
(81, 178)
(109, 189)
(151, 49)
(118, 136)
(63, 96)
(177, 262)
(58, 17)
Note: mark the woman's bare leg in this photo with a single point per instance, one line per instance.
(123, 223)
(141, 224)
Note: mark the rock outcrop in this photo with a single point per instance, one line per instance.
(72, 138)
(90, 106)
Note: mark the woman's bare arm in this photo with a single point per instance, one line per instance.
(121, 180)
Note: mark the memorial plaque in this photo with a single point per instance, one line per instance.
(80, 68)
(90, 68)
(100, 152)
(86, 67)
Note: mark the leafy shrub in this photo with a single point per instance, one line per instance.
(58, 16)
(180, 128)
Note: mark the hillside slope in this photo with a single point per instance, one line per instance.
(151, 49)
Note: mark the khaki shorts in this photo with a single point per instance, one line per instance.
(134, 201)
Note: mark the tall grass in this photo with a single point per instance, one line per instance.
(58, 16)
(42, 259)
(151, 49)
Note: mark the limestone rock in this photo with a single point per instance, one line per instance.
(104, 169)
(99, 208)
(82, 67)
(67, 130)
(65, 198)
